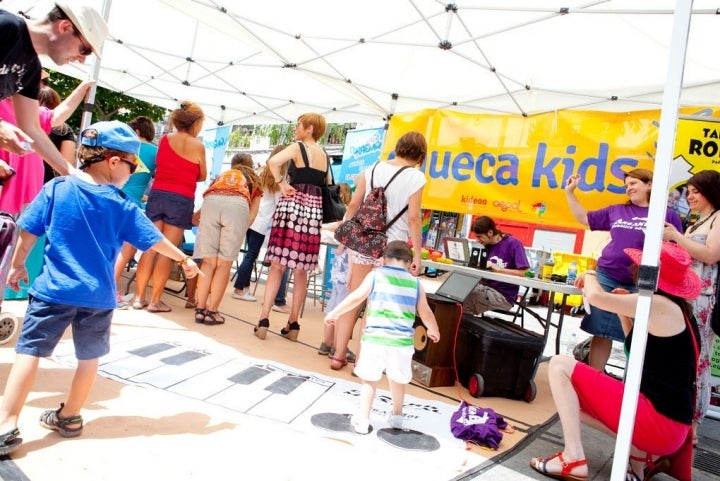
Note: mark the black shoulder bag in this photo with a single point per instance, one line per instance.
(333, 207)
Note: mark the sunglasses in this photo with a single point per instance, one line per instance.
(132, 163)
(84, 48)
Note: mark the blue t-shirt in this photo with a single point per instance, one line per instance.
(86, 224)
(137, 184)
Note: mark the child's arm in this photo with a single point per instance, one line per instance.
(427, 317)
(254, 207)
(166, 248)
(18, 273)
(352, 300)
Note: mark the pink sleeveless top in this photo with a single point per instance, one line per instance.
(28, 180)
(175, 173)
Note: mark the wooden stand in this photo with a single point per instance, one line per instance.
(433, 362)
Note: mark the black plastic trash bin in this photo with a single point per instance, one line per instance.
(497, 358)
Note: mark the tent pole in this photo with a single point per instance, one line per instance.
(94, 75)
(653, 232)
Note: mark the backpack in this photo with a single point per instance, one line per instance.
(366, 231)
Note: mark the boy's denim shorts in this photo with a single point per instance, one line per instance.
(46, 322)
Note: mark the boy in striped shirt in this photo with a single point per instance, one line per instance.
(393, 296)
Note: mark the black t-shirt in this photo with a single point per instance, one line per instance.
(19, 63)
(58, 135)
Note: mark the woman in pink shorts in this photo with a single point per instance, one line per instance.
(662, 437)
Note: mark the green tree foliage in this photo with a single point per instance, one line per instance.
(109, 105)
(282, 134)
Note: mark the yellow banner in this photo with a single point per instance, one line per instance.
(512, 167)
(697, 147)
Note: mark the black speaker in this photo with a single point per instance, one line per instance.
(482, 262)
(474, 257)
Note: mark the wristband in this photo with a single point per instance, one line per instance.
(185, 260)
(590, 272)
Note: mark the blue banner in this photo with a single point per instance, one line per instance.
(215, 141)
(362, 149)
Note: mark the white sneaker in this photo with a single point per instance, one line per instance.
(361, 426)
(245, 296)
(396, 421)
(282, 309)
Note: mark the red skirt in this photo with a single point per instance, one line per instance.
(295, 234)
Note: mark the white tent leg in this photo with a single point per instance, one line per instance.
(94, 75)
(653, 233)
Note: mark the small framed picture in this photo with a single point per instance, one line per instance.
(457, 250)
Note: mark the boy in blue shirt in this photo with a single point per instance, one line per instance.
(86, 219)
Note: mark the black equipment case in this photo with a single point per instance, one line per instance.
(497, 358)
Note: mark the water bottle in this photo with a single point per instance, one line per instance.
(534, 266)
(572, 342)
(572, 273)
(548, 267)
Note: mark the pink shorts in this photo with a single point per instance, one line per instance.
(601, 398)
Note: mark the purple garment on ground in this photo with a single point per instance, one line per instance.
(477, 425)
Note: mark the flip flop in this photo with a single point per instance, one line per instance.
(159, 307)
(139, 303)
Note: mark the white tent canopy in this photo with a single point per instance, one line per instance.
(362, 61)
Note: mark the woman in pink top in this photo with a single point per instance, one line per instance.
(20, 189)
(180, 166)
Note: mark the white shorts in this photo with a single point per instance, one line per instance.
(363, 260)
(376, 358)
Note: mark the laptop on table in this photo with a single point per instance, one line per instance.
(456, 288)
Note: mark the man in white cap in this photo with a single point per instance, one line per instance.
(70, 32)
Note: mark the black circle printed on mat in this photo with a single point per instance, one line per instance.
(335, 422)
(409, 439)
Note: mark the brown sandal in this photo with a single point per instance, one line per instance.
(213, 318)
(200, 313)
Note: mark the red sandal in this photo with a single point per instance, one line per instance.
(540, 465)
(336, 363)
(652, 467)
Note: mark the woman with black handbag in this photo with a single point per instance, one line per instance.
(702, 241)
(294, 241)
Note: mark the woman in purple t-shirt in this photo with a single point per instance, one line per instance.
(506, 255)
(626, 224)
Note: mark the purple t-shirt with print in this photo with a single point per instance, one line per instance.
(509, 253)
(626, 223)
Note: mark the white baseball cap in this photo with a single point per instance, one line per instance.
(88, 21)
